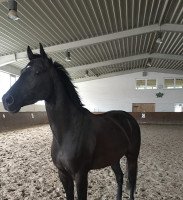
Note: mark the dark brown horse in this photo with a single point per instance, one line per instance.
(82, 141)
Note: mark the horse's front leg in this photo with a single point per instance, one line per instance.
(82, 184)
(68, 184)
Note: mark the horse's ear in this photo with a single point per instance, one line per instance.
(42, 52)
(29, 53)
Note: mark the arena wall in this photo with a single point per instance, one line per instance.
(30, 108)
(21, 120)
(159, 117)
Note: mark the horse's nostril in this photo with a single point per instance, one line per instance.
(9, 100)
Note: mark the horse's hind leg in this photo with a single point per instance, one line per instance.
(132, 174)
(119, 178)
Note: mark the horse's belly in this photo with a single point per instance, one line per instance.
(104, 161)
(110, 148)
(108, 158)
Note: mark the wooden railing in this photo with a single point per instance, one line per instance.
(21, 120)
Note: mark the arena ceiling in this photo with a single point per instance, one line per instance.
(104, 37)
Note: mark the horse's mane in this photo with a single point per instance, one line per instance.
(66, 80)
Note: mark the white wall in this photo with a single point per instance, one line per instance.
(119, 92)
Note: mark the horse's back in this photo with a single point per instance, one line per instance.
(124, 119)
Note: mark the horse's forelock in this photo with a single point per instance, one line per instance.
(35, 56)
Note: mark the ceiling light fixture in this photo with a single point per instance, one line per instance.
(149, 64)
(159, 40)
(12, 14)
(159, 36)
(68, 56)
(86, 73)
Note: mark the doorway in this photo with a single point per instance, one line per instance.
(143, 107)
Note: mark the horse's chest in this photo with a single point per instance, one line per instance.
(64, 161)
(67, 157)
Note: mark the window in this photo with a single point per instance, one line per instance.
(146, 84)
(4, 83)
(179, 83)
(172, 83)
(13, 79)
(169, 83)
(40, 103)
(151, 84)
(140, 84)
(178, 107)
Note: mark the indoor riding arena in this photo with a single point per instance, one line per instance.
(118, 55)
(27, 171)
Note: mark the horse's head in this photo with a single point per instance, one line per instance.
(34, 83)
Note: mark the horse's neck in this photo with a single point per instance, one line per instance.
(63, 115)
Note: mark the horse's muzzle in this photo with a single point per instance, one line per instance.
(9, 103)
(8, 100)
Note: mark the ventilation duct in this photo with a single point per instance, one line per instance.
(144, 73)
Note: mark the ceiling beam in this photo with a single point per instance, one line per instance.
(10, 69)
(108, 62)
(95, 40)
(104, 63)
(166, 71)
(103, 38)
(109, 37)
(167, 56)
(172, 27)
(90, 78)
(2, 1)
(126, 59)
(5, 60)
